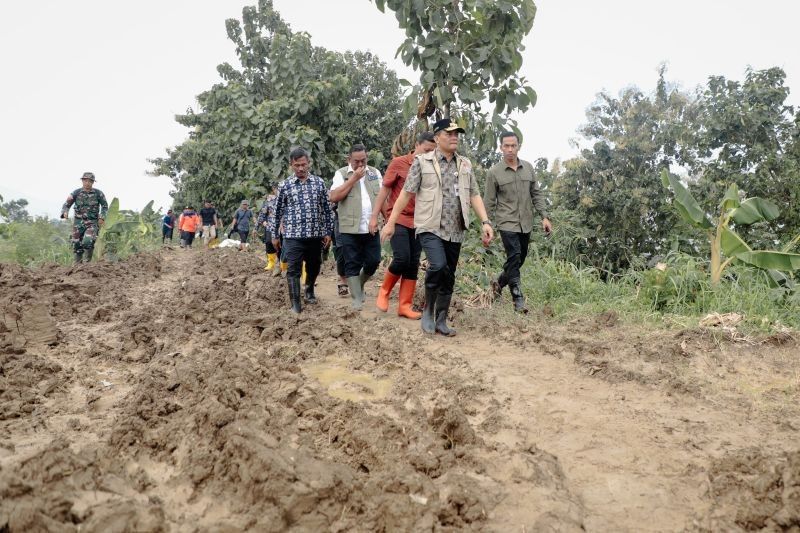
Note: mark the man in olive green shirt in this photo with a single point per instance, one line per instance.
(511, 197)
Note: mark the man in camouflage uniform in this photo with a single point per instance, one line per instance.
(90, 213)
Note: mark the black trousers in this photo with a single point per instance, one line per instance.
(337, 251)
(295, 251)
(516, 246)
(406, 250)
(361, 251)
(442, 262)
(188, 237)
(268, 241)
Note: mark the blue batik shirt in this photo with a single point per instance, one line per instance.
(267, 213)
(304, 209)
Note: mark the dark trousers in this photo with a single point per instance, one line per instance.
(268, 241)
(337, 251)
(361, 251)
(187, 237)
(406, 250)
(516, 246)
(166, 233)
(442, 262)
(295, 251)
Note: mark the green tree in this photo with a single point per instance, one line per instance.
(285, 93)
(466, 51)
(614, 188)
(747, 135)
(15, 210)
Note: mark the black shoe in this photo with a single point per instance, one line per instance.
(89, 254)
(78, 257)
(428, 320)
(442, 305)
(294, 294)
(517, 297)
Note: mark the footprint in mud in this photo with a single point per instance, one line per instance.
(345, 384)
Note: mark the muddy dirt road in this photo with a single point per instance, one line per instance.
(175, 392)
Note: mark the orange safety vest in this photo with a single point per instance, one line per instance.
(189, 222)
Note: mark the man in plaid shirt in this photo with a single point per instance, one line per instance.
(307, 218)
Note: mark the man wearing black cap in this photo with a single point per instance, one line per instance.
(444, 186)
(90, 213)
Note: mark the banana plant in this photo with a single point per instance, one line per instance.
(122, 225)
(726, 245)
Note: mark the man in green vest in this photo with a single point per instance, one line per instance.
(444, 186)
(354, 190)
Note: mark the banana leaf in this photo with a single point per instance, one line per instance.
(731, 198)
(731, 244)
(755, 210)
(685, 203)
(781, 261)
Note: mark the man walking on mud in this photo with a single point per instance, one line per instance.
(90, 213)
(208, 215)
(512, 195)
(354, 190)
(305, 212)
(406, 249)
(445, 188)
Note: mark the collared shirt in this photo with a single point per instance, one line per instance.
(451, 227)
(267, 213)
(394, 180)
(512, 195)
(303, 207)
(366, 203)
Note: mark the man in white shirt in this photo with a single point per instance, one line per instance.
(354, 190)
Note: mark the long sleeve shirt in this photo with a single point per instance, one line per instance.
(512, 195)
(89, 205)
(304, 209)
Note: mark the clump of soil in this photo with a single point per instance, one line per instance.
(752, 491)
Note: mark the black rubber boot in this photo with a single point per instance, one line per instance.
(428, 321)
(442, 305)
(89, 254)
(498, 284)
(516, 295)
(78, 257)
(309, 295)
(294, 294)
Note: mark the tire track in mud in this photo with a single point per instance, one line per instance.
(638, 448)
(177, 396)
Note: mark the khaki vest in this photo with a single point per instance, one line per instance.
(349, 209)
(428, 205)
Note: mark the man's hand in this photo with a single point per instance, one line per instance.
(387, 232)
(326, 241)
(546, 225)
(64, 215)
(487, 234)
(358, 173)
(373, 224)
(101, 222)
(276, 243)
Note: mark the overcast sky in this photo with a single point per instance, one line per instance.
(95, 84)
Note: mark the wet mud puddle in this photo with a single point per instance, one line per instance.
(342, 383)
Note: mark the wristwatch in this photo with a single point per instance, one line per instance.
(486, 222)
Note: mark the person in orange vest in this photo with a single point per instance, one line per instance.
(188, 223)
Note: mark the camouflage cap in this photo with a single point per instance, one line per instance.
(88, 175)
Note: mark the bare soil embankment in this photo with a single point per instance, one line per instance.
(175, 392)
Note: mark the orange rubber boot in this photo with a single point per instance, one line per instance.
(407, 289)
(389, 281)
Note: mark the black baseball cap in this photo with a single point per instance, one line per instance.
(446, 125)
